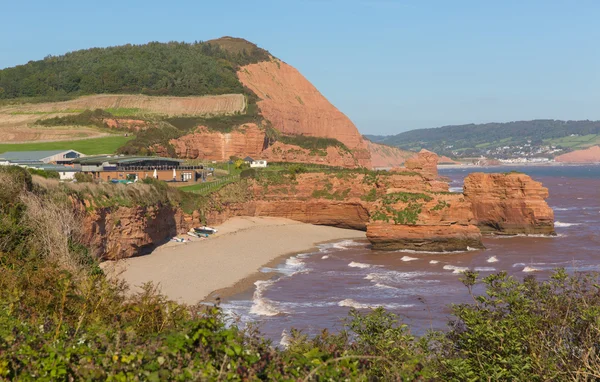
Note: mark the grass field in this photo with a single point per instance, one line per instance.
(104, 145)
(575, 142)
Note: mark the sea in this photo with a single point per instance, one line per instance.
(315, 291)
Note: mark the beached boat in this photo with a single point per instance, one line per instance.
(197, 234)
(205, 229)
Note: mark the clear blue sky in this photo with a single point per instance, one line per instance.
(390, 65)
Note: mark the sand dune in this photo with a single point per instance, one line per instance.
(190, 272)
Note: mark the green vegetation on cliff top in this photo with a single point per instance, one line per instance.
(173, 68)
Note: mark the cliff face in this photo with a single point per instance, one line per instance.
(244, 140)
(294, 106)
(589, 155)
(122, 232)
(509, 204)
(383, 156)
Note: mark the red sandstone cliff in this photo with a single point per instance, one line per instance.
(383, 156)
(248, 139)
(294, 106)
(508, 204)
(589, 155)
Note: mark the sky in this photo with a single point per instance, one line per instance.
(390, 65)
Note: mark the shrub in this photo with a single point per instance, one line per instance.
(48, 174)
(81, 177)
(248, 173)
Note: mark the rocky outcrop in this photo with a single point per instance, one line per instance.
(509, 204)
(332, 156)
(294, 106)
(425, 163)
(434, 238)
(383, 156)
(248, 139)
(589, 155)
(122, 232)
(434, 222)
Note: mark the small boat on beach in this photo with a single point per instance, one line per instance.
(201, 235)
(205, 229)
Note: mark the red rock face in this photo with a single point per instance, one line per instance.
(425, 163)
(509, 204)
(294, 106)
(117, 233)
(589, 155)
(383, 156)
(431, 238)
(245, 140)
(335, 156)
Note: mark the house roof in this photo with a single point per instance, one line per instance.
(30, 156)
(122, 160)
(248, 159)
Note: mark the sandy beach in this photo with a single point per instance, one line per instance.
(227, 262)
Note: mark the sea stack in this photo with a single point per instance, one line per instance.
(509, 204)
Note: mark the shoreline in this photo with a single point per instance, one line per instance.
(228, 262)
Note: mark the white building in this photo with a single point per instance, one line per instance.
(261, 163)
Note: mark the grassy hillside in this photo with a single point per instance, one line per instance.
(105, 145)
(490, 138)
(155, 68)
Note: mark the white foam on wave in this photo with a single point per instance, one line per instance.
(433, 262)
(325, 257)
(455, 269)
(408, 258)
(469, 249)
(564, 208)
(530, 269)
(355, 264)
(262, 306)
(492, 259)
(564, 225)
(536, 235)
(485, 269)
(395, 277)
(350, 303)
(383, 286)
(456, 189)
(285, 339)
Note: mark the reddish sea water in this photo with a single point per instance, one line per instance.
(314, 291)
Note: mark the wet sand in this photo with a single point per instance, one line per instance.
(226, 263)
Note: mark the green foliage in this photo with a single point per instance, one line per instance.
(445, 140)
(172, 68)
(48, 174)
(145, 140)
(86, 118)
(371, 196)
(405, 197)
(248, 173)
(81, 177)
(316, 145)
(326, 193)
(441, 204)
(92, 146)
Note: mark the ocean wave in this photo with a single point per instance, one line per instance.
(564, 225)
(530, 269)
(285, 339)
(350, 303)
(325, 257)
(455, 269)
(384, 286)
(455, 189)
(492, 259)
(408, 258)
(395, 277)
(433, 261)
(469, 249)
(355, 264)
(262, 306)
(564, 208)
(537, 235)
(485, 269)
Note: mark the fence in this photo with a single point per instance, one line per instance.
(210, 187)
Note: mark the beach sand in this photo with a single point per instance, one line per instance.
(227, 262)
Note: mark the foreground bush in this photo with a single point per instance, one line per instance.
(62, 319)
